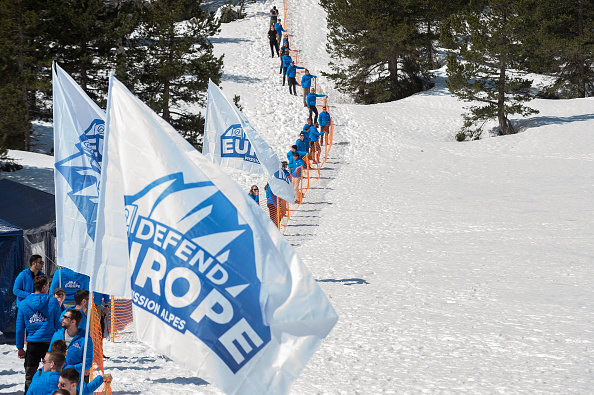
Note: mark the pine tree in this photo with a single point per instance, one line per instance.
(376, 46)
(20, 61)
(85, 36)
(170, 60)
(491, 34)
(562, 43)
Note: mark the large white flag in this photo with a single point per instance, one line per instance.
(230, 140)
(78, 144)
(214, 284)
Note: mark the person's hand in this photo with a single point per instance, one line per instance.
(21, 353)
(87, 372)
(107, 378)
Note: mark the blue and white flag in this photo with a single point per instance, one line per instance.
(230, 140)
(214, 284)
(79, 126)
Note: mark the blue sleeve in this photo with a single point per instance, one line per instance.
(57, 313)
(17, 290)
(55, 282)
(313, 76)
(20, 330)
(89, 388)
(55, 337)
(88, 359)
(320, 95)
(299, 67)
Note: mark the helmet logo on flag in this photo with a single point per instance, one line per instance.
(194, 266)
(235, 144)
(82, 171)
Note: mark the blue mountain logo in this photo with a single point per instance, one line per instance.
(82, 171)
(195, 266)
(235, 144)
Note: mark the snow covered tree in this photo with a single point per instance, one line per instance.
(486, 70)
(170, 60)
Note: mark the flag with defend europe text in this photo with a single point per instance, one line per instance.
(79, 126)
(230, 140)
(213, 282)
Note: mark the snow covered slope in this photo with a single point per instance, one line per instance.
(454, 267)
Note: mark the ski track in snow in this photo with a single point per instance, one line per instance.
(454, 267)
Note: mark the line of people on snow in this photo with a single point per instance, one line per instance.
(52, 321)
(311, 137)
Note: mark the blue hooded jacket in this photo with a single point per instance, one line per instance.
(44, 383)
(286, 60)
(301, 145)
(74, 354)
(270, 197)
(292, 70)
(23, 285)
(306, 80)
(324, 118)
(279, 28)
(39, 314)
(312, 98)
(290, 154)
(314, 134)
(71, 282)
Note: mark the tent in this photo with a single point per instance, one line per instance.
(27, 227)
(11, 258)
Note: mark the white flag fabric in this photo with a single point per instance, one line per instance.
(79, 126)
(213, 282)
(230, 140)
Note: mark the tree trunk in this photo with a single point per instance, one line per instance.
(581, 84)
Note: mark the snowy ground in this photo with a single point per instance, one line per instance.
(454, 267)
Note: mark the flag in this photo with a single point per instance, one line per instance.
(213, 283)
(230, 140)
(79, 126)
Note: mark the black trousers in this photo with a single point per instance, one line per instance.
(33, 355)
(292, 84)
(313, 109)
(284, 74)
(273, 46)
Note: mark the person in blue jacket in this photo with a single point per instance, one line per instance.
(254, 193)
(278, 26)
(82, 304)
(301, 143)
(295, 149)
(39, 316)
(70, 380)
(296, 165)
(291, 74)
(314, 144)
(23, 285)
(324, 120)
(71, 282)
(46, 382)
(311, 102)
(306, 85)
(272, 204)
(286, 63)
(74, 356)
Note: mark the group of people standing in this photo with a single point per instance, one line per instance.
(51, 319)
(307, 147)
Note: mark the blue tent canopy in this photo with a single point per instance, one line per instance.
(27, 227)
(11, 258)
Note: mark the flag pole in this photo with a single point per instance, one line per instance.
(88, 326)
